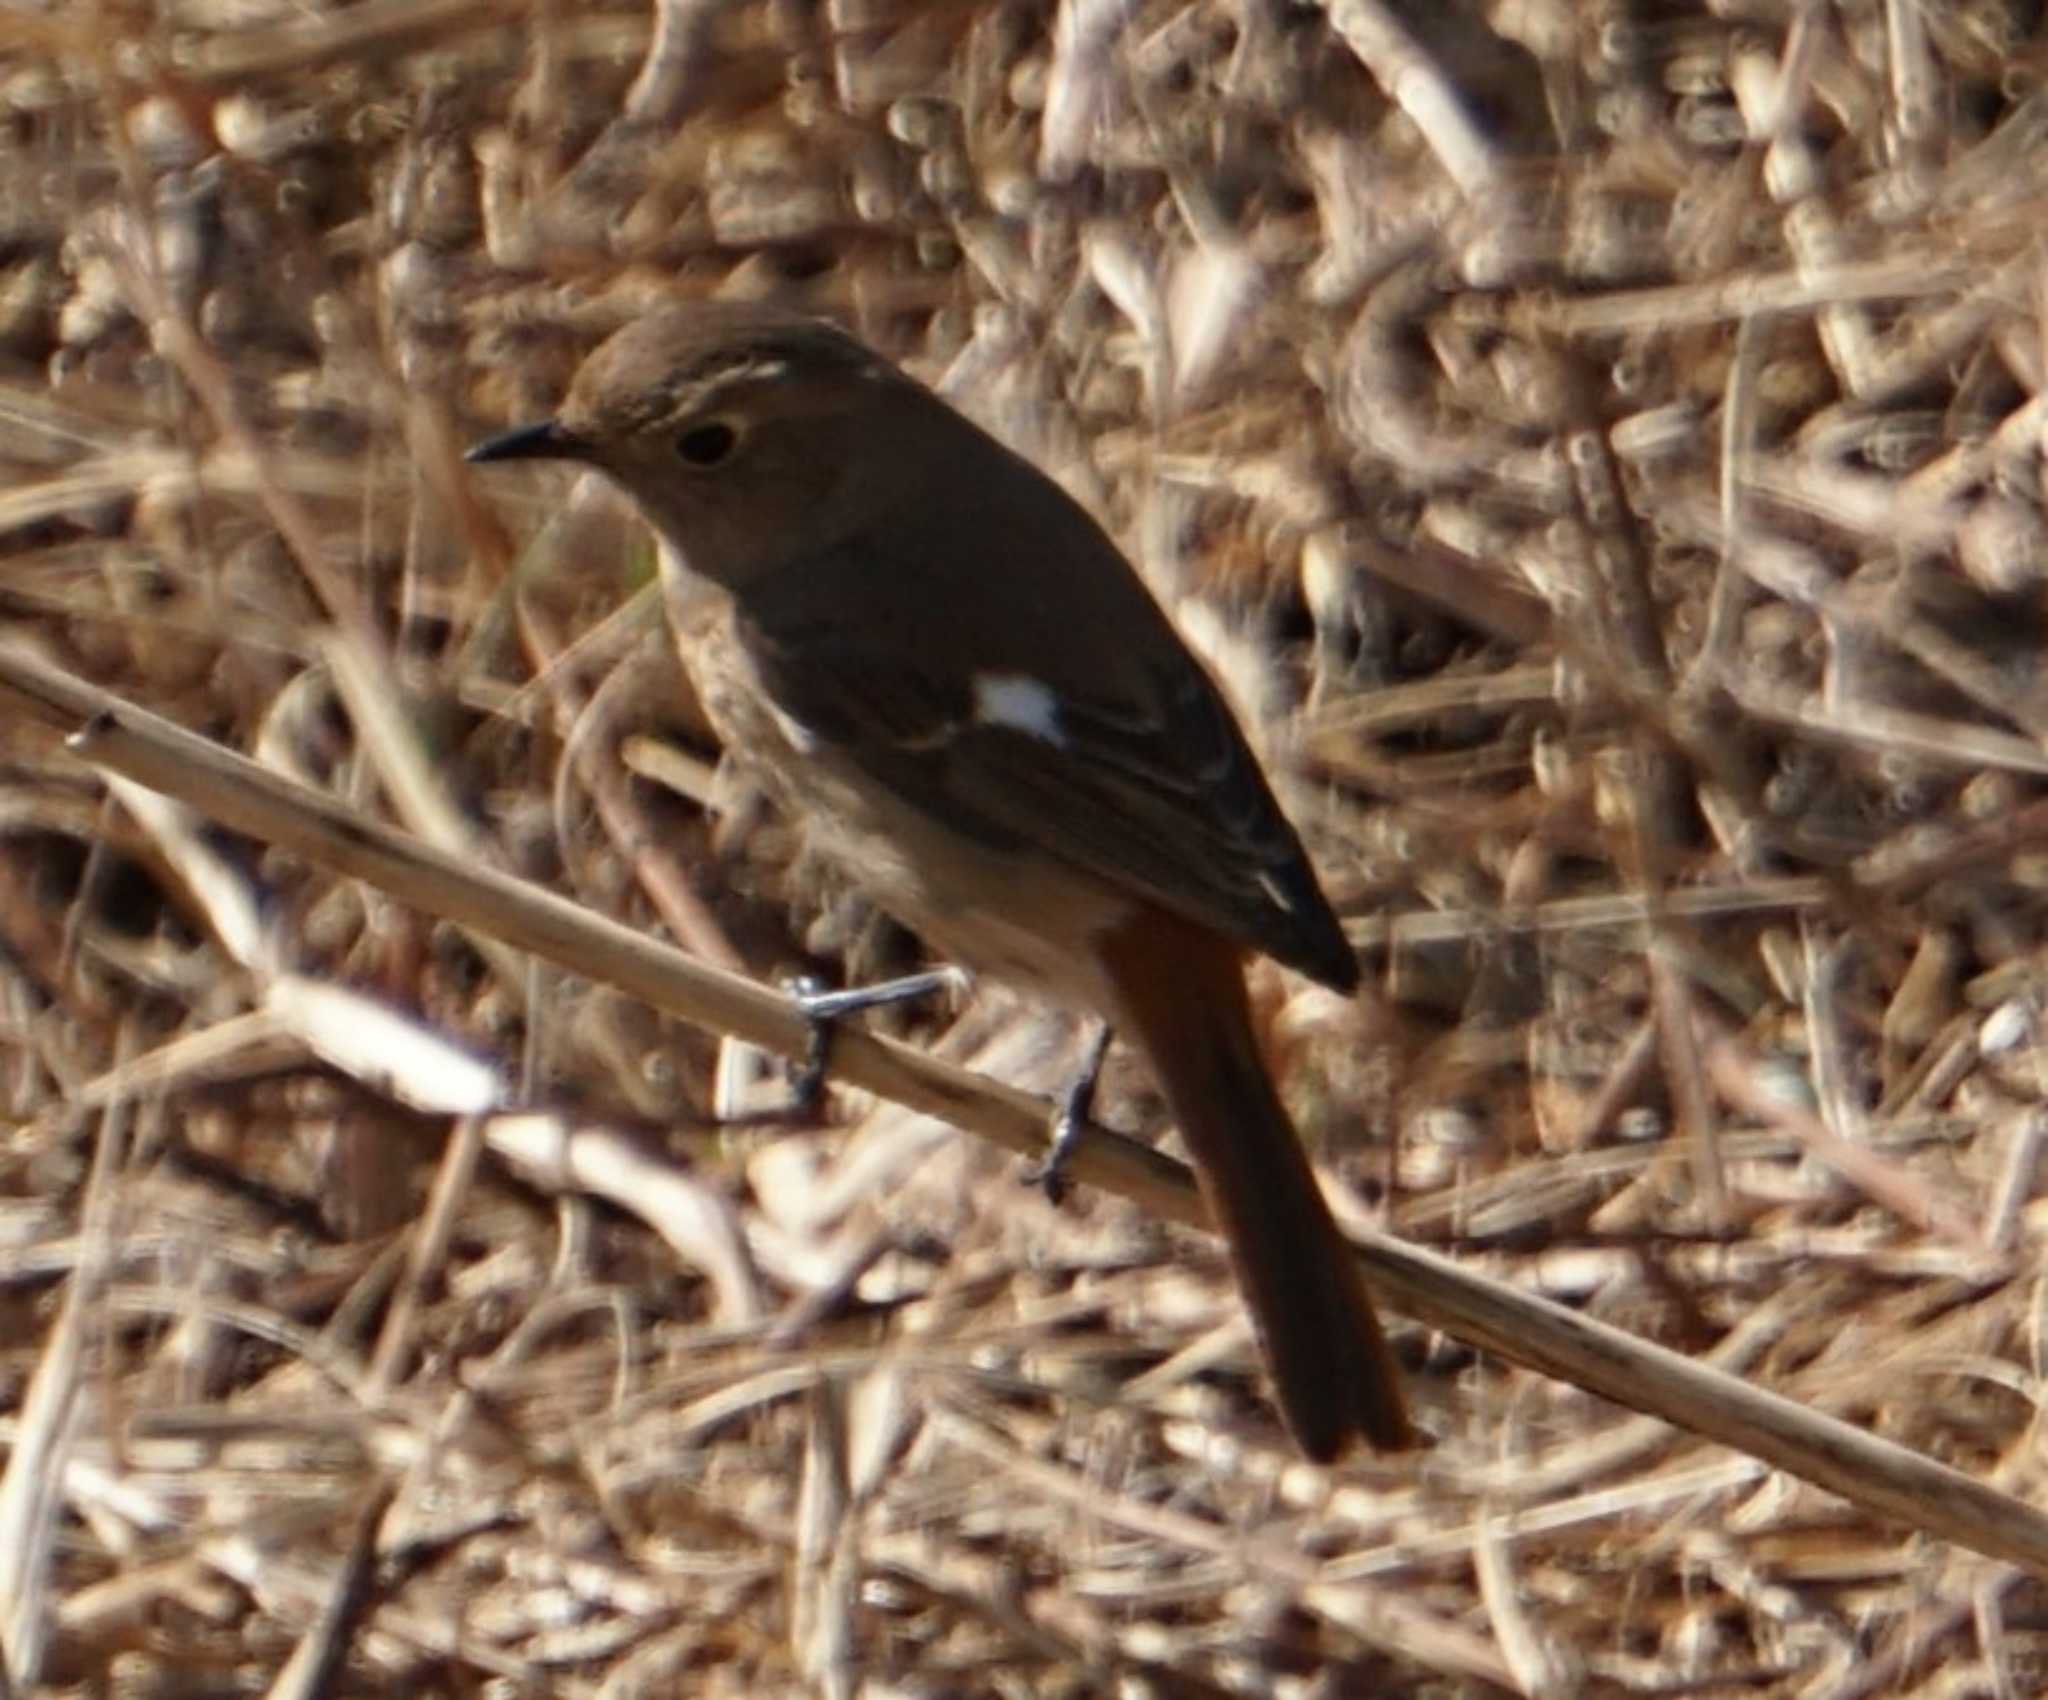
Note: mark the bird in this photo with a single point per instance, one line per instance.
(932, 655)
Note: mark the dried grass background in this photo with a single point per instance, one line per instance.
(1602, 446)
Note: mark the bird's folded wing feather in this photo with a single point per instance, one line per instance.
(1160, 796)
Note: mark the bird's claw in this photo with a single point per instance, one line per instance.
(823, 1010)
(1069, 1122)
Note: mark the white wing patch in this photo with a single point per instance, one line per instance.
(1020, 702)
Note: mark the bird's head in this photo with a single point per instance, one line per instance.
(748, 435)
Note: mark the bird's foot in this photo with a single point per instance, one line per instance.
(1070, 1120)
(823, 1011)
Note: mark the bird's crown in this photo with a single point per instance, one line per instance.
(680, 362)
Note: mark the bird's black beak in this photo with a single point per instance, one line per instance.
(544, 441)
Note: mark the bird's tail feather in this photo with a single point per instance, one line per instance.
(1183, 1000)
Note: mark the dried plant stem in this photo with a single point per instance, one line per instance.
(1871, 1472)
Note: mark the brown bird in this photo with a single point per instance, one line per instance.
(934, 655)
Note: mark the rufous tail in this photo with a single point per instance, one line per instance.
(1182, 999)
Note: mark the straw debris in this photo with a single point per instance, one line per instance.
(1600, 446)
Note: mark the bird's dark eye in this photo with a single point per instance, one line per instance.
(709, 444)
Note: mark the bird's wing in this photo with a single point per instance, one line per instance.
(1157, 793)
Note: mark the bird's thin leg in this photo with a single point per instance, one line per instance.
(1077, 1103)
(824, 1010)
